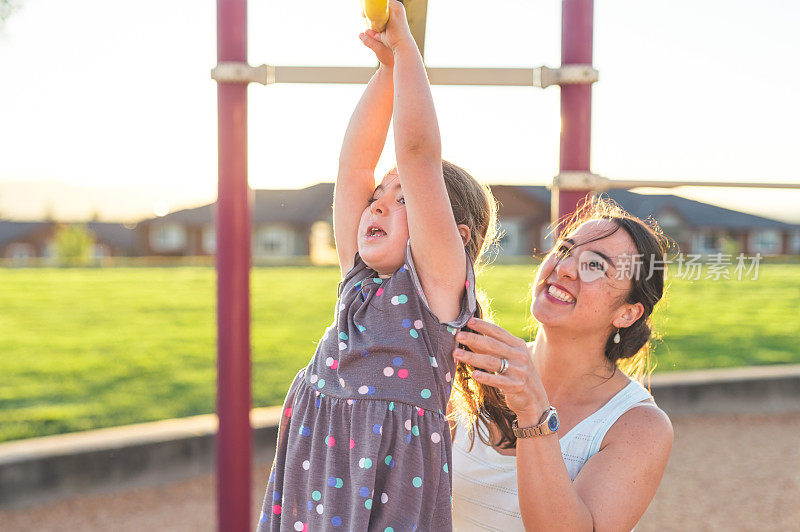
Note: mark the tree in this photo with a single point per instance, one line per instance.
(73, 245)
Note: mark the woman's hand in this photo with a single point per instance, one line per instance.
(372, 40)
(520, 384)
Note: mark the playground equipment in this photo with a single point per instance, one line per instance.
(376, 12)
(574, 182)
(232, 74)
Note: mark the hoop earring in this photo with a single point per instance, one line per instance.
(616, 337)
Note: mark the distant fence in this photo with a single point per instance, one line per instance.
(148, 262)
(267, 262)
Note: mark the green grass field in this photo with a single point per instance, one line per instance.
(89, 348)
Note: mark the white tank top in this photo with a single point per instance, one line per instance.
(485, 481)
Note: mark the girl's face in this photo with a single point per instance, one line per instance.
(383, 229)
(583, 282)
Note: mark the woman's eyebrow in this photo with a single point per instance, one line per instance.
(606, 257)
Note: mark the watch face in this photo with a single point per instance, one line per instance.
(552, 424)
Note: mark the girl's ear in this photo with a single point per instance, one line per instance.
(465, 233)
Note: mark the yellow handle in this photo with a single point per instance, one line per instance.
(376, 12)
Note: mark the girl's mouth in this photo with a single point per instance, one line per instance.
(373, 231)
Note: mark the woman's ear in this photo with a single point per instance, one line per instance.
(630, 313)
(465, 233)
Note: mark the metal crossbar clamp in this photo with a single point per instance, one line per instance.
(235, 72)
(565, 75)
(580, 181)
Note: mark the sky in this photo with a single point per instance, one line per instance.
(108, 107)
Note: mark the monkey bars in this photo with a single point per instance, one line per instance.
(232, 72)
(233, 214)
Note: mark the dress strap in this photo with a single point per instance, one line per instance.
(468, 301)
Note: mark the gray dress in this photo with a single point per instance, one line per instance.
(363, 442)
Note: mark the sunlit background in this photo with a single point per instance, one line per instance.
(108, 115)
(107, 109)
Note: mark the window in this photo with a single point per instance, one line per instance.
(766, 241)
(209, 239)
(708, 241)
(50, 251)
(101, 251)
(705, 242)
(547, 238)
(19, 250)
(668, 220)
(510, 237)
(274, 241)
(794, 246)
(167, 237)
(674, 227)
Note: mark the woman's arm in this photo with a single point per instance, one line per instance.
(436, 245)
(618, 483)
(361, 150)
(614, 487)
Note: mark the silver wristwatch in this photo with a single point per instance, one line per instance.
(548, 425)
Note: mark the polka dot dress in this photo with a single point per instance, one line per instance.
(363, 441)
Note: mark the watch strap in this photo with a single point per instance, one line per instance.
(542, 429)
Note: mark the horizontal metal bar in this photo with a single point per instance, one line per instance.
(673, 184)
(437, 76)
(315, 74)
(590, 181)
(232, 72)
(521, 77)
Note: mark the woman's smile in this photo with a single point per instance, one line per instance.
(559, 294)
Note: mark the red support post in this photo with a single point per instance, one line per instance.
(576, 100)
(233, 446)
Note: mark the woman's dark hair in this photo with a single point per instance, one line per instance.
(482, 406)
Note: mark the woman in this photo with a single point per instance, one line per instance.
(596, 444)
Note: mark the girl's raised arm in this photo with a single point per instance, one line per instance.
(436, 244)
(361, 149)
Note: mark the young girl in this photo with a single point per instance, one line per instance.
(364, 442)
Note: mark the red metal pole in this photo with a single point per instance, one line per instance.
(233, 280)
(576, 100)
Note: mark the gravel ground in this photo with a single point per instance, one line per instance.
(725, 473)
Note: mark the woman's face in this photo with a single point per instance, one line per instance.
(583, 281)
